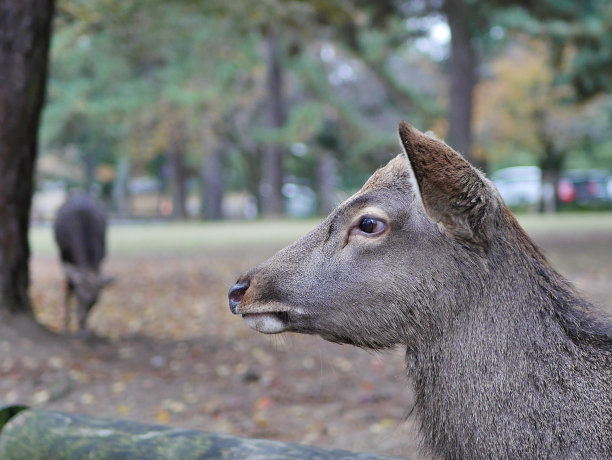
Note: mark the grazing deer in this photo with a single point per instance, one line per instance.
(80, 233)
(508, 361)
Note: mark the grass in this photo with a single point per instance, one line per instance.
(571, 222)
(183, 238)
(186, 237)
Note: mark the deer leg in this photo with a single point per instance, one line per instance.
(82, 318)
(67, 312)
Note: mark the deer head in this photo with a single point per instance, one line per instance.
(87, 285)
(386, 264)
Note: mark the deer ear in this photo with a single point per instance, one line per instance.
(454, 193)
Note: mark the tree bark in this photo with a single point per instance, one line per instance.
(89, 166)
(462, 77)
(551, 166)
(178, 176)
(120, 191)
(551, 163)
(326, 182)
(25, 33)
(212, 176)
(271, 190)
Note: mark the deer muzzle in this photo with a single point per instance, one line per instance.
(268, 317)
(236, 294)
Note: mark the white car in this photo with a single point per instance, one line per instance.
(520, 185)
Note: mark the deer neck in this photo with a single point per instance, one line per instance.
(491, 384)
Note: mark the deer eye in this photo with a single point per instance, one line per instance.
(370, 226)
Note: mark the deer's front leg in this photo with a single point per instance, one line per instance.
(67, 312)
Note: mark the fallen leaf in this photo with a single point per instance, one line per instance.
(162, 416)
(123, 409)
(263, 403)
(261, 420)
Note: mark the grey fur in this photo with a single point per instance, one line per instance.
(508, 361)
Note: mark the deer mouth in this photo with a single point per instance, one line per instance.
(270, 322)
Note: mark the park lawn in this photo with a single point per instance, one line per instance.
(233, 236)
(161, 238)
(566, 223)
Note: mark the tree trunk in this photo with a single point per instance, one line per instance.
(271, 190)
(462, 77)
(551, 163)
(89, 166)
(121, 191)
(178, 173)
(25, 33)
(212, 176)
(326, 182)
(179, 194)
(551, 166)
(550, 181)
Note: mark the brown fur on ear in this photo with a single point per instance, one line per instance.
(453, 192)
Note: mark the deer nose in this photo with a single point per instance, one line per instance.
(236, 293)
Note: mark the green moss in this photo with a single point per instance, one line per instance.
(44, 435)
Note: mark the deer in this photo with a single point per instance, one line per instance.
(507, 360)
(80, 234)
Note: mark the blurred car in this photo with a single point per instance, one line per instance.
(590, 186)
(300, 200)
(520, 185)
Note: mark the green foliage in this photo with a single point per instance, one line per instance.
(138, 79)
(550, 107)
(124, 74)
(581, 36)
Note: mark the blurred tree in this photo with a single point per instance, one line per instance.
(177, 74)
(272, 184)
(376, 33)
(579, 36)
(291, 34)
(469, 23)
(202, 63)
(527, 111)
(274, 21)
(473, 26)
(523, 111)
(576, 39)
(100, 93)
(176, 153)
(25, 32)
(212, 175)
(463, 20)
(206, 85)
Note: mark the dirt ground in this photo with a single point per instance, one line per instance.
(173, 354)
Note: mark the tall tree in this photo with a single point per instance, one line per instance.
(462, 75)
(157, 98)
(212, 174)
(25, 33)
(526, 112)
(467, 21)
(272, 184)
(578, 42)
(176, 158)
